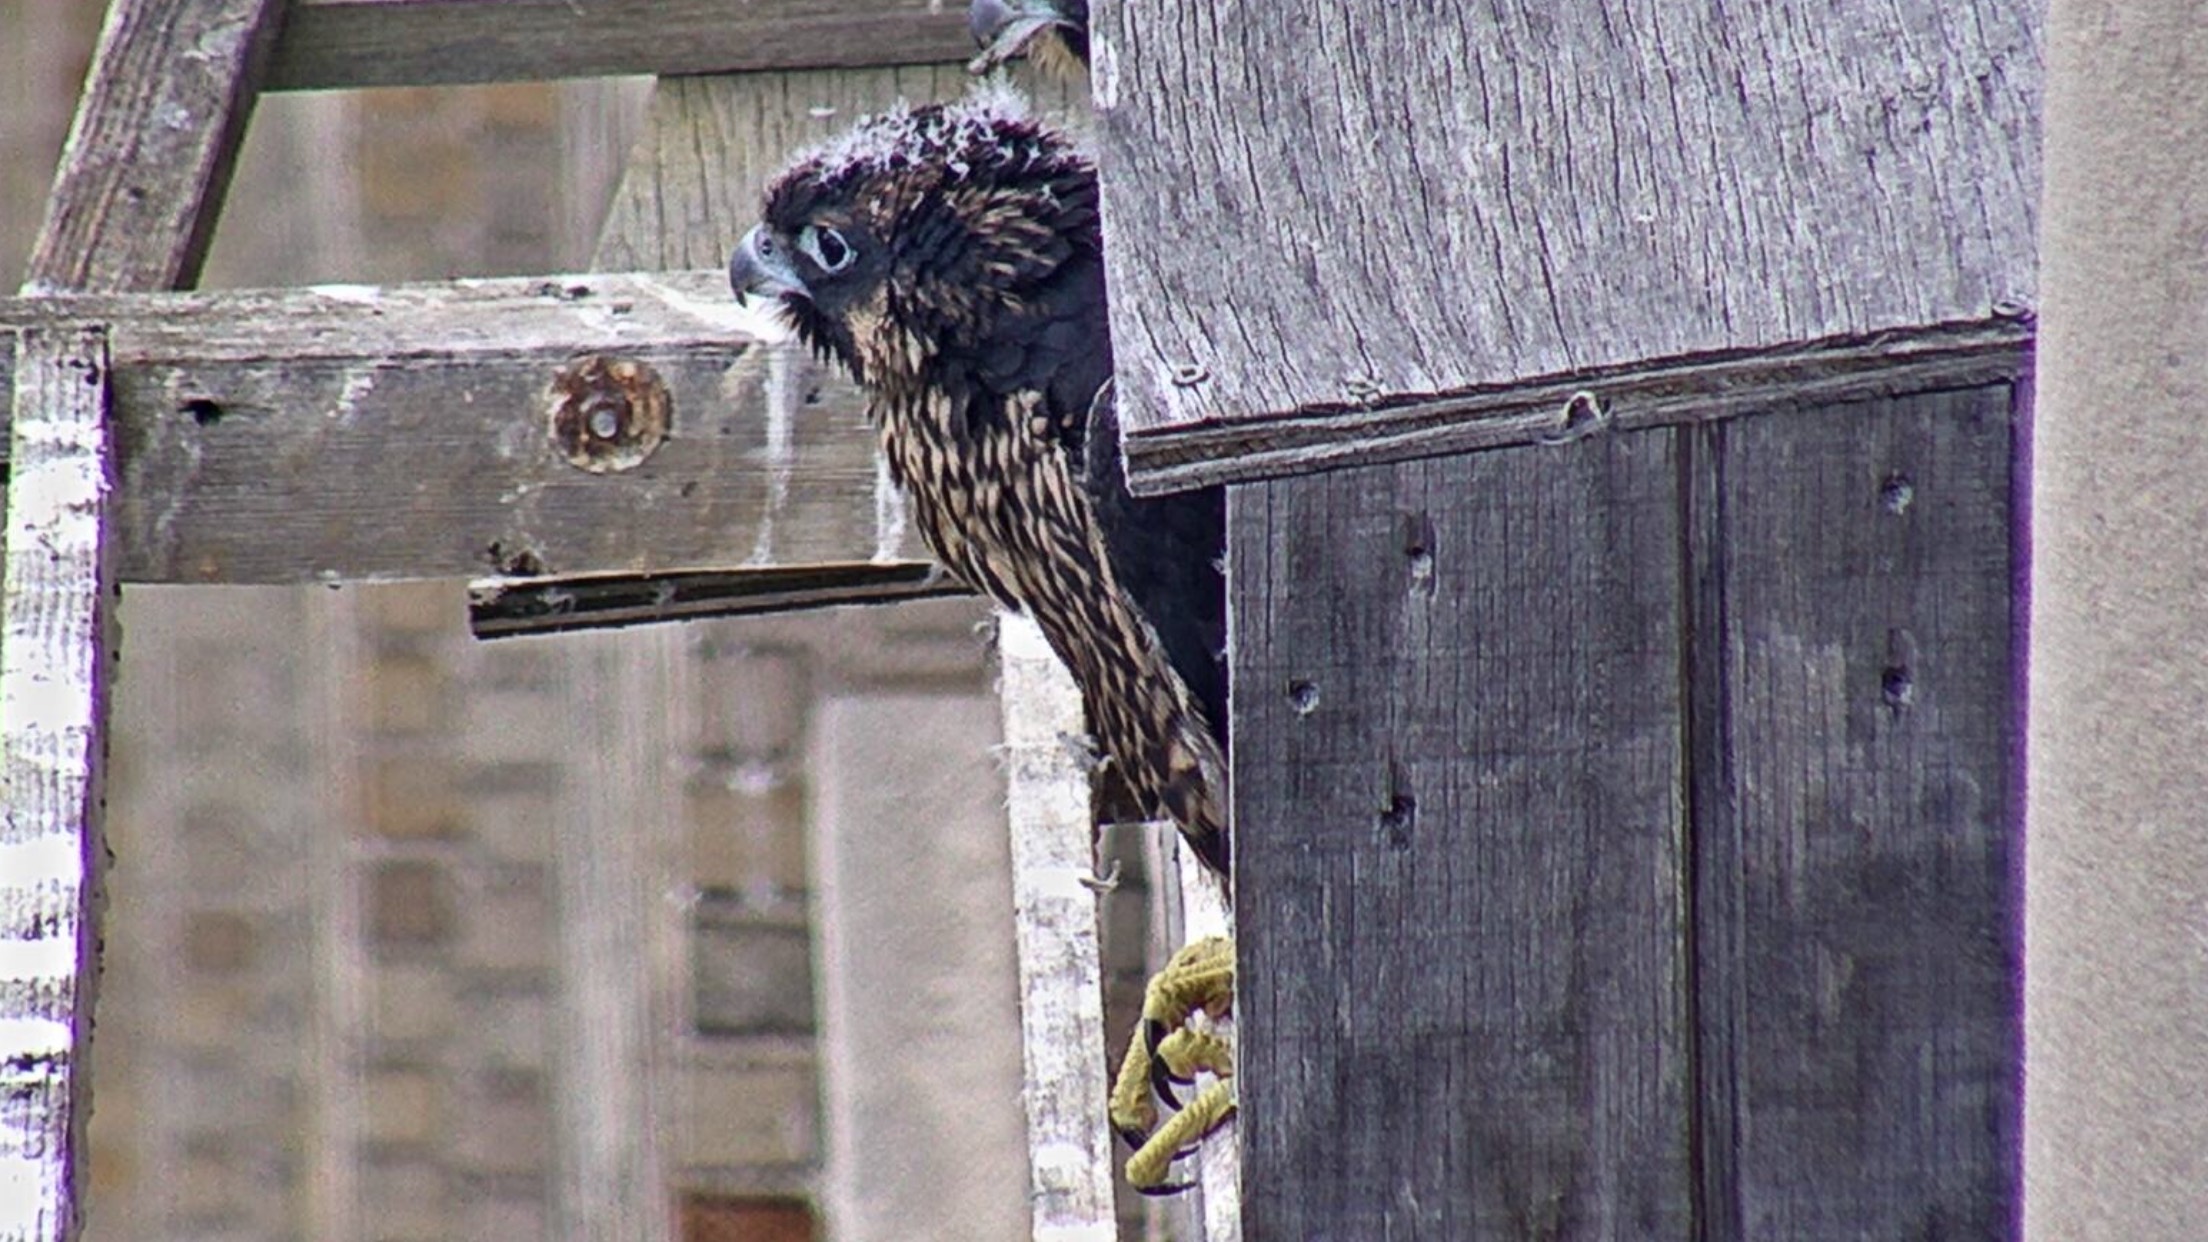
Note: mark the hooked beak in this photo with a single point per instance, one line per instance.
(760, 267)
(1004, 28)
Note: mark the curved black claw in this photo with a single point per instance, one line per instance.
(1161, 1075)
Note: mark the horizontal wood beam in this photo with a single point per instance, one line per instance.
(1560, 408)
(352, 43)
(513, 607)
(347, 433)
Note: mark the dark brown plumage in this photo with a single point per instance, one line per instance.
(950, 257)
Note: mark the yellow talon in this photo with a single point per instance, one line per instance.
(1166, 1049)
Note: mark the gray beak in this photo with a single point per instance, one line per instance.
(1003, 28)
(761, 267)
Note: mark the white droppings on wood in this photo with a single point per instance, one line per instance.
(351, 295)
(782, 399)
(718, 309)
(1061, 994)
(358, 383)
(889, 514)
(53, 653)
(456, 408)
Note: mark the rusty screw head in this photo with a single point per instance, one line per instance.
(608, 414)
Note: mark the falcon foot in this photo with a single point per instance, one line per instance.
(1177, 1039)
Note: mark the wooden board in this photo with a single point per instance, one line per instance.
(149, 156)
(1047, 801)
(1460, 836)
(1312, 206)
(55, 646)
(1857, 921)
(339, 43)
(342, 433)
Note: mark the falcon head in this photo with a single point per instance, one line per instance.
(1052, 33)
(950, 244)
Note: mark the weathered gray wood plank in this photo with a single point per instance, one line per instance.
(338, 43)
(1855, 831)
(1463, 987)
(55, 638)
(1047, 801)
(712, 144)
(345, 433)
(1663, 393)
(1414, 199)
(149, 156)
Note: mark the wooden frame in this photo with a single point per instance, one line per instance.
(244, 434)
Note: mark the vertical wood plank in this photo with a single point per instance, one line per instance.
(54, 649)
(1061, 991)
(1859, 966)
(149, 156)
(612, 1185)
(1458, 812)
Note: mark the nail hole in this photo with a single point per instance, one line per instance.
(204, 412)
(1417, 536)
(1396, 819)
(1897, 686)
(1896, 493)
(1303, 696)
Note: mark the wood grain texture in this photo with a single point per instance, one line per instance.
(615, 939)
(711, 145)
(1666, 393)
(1460, 837)
(149, 156)
(1415, 199)
(55, 642)
(343, 433)
(1856, 917)
(344, 43)
(1047, 801)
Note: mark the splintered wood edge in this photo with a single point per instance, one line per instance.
(54, 647)
(516, 607)
(1563, 408)
(1047, 795)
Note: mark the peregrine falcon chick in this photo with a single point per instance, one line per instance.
(949, 256)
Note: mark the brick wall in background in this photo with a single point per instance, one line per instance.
(331, 971)
(332, 989)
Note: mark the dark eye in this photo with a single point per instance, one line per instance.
(825, 246)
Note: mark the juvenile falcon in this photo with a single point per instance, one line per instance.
(949, 257)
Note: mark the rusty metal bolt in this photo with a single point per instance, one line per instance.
(608, 414)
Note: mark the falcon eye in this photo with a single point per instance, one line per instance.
(825, 246)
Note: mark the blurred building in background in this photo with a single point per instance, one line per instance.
(341, 930)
